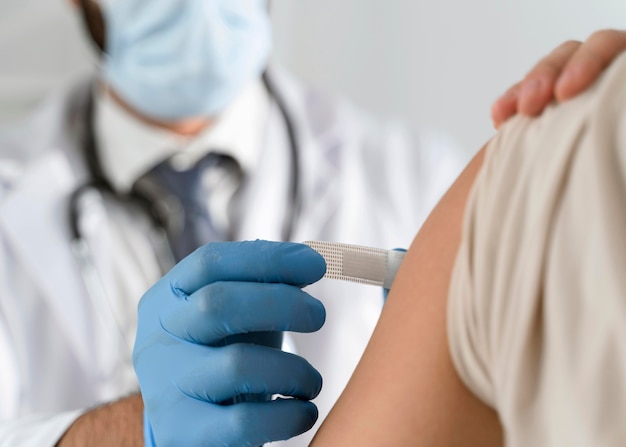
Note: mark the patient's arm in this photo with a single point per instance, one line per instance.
(405, 390)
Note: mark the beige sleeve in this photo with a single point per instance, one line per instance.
(537, 302)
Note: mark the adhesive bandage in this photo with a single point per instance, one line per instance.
(364, 265)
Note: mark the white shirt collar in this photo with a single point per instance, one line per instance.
(129, 147)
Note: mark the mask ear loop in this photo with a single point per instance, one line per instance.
(93, 24)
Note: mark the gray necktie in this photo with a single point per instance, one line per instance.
(195, 202)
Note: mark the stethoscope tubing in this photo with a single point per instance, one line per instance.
(97, 179)
(94, 284)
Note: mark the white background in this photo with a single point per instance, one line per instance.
(436, 63)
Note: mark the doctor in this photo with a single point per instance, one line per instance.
(90, 218)
(88, 190)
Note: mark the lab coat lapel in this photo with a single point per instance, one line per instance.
(319, 183)
(40, 237)
(318, 175)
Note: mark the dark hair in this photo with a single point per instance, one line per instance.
(94, 23)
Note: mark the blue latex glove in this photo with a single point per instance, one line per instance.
(209, 333)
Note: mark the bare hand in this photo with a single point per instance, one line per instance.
(567, 71)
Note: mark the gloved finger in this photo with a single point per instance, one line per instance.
(589, 61)
(277, 420)
(245, 424)
(253, 261)
(240, 369)
(505, 106)
(225, 308)
(537, 89)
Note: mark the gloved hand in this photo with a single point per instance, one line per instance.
(209, 333)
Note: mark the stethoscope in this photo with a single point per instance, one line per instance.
(97, 181)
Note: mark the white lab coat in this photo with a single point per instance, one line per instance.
(60, 351)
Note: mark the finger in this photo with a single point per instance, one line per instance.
(537, 89)
(243, 369)
(278, 420)
(505, 106)
(193, 422)
(589, 62)
(254, 261)
(225, 308)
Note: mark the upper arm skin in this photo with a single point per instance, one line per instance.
(405, 390)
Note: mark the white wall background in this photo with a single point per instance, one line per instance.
(436, 63)
(430, 62)
(41, 47)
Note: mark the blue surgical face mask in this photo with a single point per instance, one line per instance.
(175, 59)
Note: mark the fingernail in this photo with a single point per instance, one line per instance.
(510, 94)
(532, 97)
(503, 108)
(531, 87)
(566, 82)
